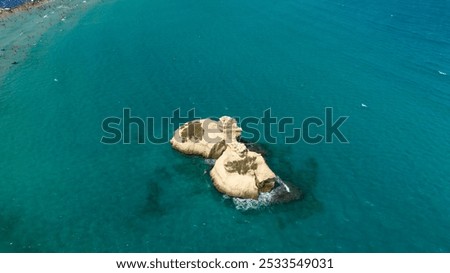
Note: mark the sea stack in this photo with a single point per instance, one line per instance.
(200, 137)
(242, 173)
(237, 171)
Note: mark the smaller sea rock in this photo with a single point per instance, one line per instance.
(200, 137)
(242, 173)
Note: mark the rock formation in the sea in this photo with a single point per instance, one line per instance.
(285, 193)
(190, 139)
(206, 137)
(242, 173)
(237, 172)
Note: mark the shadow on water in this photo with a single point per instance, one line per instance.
(305, 177)
(11, 241)
(184, 177)
(7, 227)
(153, 204)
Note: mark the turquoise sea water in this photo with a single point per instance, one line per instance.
(388, 190)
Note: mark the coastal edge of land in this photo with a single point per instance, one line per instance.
(23, 7)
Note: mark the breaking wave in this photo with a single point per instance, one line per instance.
(282, 193)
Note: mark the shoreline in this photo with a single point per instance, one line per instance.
(22, 28)
(5, 12)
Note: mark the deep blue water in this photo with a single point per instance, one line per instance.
(387, 190)
(11, 3)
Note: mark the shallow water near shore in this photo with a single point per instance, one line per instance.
(387, 190)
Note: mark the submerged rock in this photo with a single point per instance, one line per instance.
(283, 192)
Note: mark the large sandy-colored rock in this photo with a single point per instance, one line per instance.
(206, 137)
(199, 137)
(242, 173)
